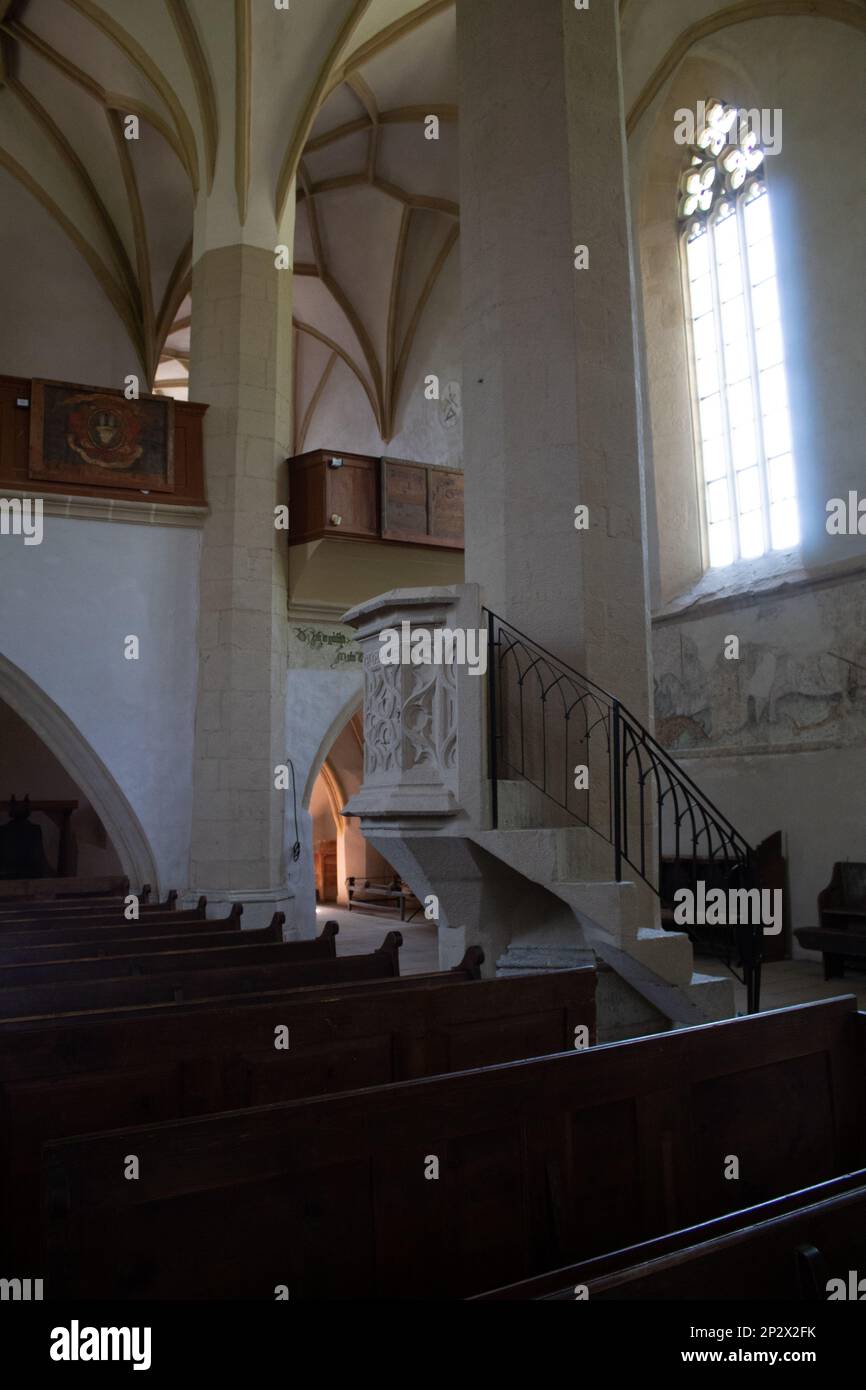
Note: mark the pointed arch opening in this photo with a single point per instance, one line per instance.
(76, 756)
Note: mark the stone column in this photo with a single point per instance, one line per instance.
(550, 394)
(241, 366)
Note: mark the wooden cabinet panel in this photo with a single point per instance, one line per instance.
(404, 501)
(364, 498)
(351, 495)
(446, 505)
(422, 504)
(325, 486)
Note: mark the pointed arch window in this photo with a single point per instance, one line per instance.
(742, 419)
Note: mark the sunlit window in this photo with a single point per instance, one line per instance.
(743, 422)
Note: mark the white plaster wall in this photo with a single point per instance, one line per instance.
(56, 320)
(66, 607)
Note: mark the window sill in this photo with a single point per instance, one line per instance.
(748, 581)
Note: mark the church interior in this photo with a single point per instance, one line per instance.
(432, 650)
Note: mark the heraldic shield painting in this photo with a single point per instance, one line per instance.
(82, 437)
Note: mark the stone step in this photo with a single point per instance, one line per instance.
(618, 921)
(551, 853)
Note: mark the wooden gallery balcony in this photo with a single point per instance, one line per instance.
(87, 451)
(359, 526)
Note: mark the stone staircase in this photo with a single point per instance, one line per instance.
(615, 922)
(515, 869)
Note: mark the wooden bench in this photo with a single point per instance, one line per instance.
(64, 1077)
(45, 889)
(540, 1164)
(108, 911)
(113, 943)
(839, 948)
(841, 933)
(160, 924)
(373, 892)
(788, 1248)
(164, 957)
(469, 968)
(23, 907)
(205, 981)
(721, 942)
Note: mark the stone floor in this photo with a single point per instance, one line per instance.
(797, 982)
(362, 931)
(783, 982)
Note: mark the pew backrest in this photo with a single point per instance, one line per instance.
(161, 924)
(224, 996)
(46, 889)
(540, 1163)
(64, 1079)
(847, 888)
(750, 1254)
(165, 958)
(185, 937)
(275, 971)
(110, 915)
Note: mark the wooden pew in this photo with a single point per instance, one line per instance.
(839, 948)
(164, 958)
(69, 1076)
(206, 981)
(541, 1163)
(844, 898)
(787, 1248)
(46, 889)
(183, 938)
(841, 935)
(109, 907)
(164, 924)
(270, 992)
(685, 870)
(110, 912)
(46, 907)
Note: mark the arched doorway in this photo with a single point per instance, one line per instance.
(74, 839)
(52, 755)
(340, 851)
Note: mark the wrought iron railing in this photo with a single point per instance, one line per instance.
(588, 755)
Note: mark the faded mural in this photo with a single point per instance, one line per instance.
(800, 678)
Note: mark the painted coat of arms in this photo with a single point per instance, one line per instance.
(81, 436)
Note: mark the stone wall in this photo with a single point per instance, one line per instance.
(777, 738)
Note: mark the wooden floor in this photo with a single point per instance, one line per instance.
(783, 982)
